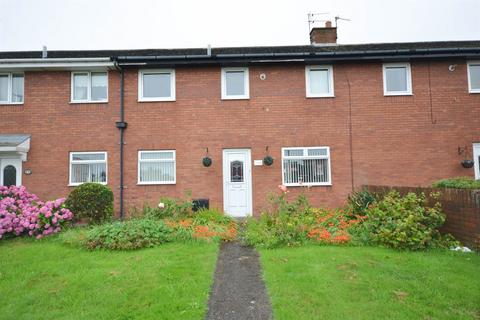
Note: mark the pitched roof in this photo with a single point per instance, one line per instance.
(469, 46)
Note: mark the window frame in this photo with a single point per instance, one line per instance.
(246, 83)
(408, 68)
(89, 87)
(71, 162)
(139, 160)
(469, 64)
(309, 93)
(10, 87)
(172, 96)
(312, 184)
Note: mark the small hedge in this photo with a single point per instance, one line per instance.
(458, 183)
(91, 201)
(128, 235)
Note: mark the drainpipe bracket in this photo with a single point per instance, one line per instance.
(121, 124)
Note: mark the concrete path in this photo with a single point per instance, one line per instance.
(238, 290)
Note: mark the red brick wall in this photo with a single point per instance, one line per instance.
(394, 139)
(462, 208)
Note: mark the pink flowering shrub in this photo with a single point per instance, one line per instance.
(22, 213)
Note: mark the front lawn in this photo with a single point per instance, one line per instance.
(326, 282)
(47, 279)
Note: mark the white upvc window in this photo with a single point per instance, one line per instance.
(156, 167)
(476, 160)
(11, 88)
(473, 76)
(397, 79)
(306, 166)
(88, 167)
(156, 85)
(89, 86)
(319, 81)
(235, 83)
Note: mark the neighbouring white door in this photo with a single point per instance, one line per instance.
(237, 182)
(476, 159)
(10, 172)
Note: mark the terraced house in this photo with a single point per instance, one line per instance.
(231, 124)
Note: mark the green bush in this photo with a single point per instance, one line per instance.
(359, 201)
(91, 201)
(281, 224)
(457, 183)
(128, 235)
(169, 207)
(407, 222)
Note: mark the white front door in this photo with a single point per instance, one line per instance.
(237, 182)
(476, 159)
(10, 172)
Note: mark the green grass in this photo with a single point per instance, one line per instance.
(326, 282)
(50, 280)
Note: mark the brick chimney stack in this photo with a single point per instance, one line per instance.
(325, 35)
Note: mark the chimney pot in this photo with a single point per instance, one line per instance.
(328, 24)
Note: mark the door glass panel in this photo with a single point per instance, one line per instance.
(236, 171)
(9, 176)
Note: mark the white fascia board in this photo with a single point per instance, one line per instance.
(55, 63)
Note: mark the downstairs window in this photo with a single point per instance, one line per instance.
(306, 166)
(88, 167)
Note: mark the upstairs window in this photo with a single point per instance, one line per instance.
(397, 79)
(319, 81)
(306, 166)
(11, 88)
(156, 85)
(235, 83)
(88, 167)
(89, 86)
(474, 77)
(156, 167)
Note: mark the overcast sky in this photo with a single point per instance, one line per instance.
(119, 24)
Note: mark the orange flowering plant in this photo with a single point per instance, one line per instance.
(205, 224)
(332, 226)
(296, 222)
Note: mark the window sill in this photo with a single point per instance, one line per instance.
(393, 94)
(320, 96)
(155, 183)
(10, 103)
(236, 98)
(308, 184)
(79, 184)
(157, 100)
(474, 91)
(89, 102)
